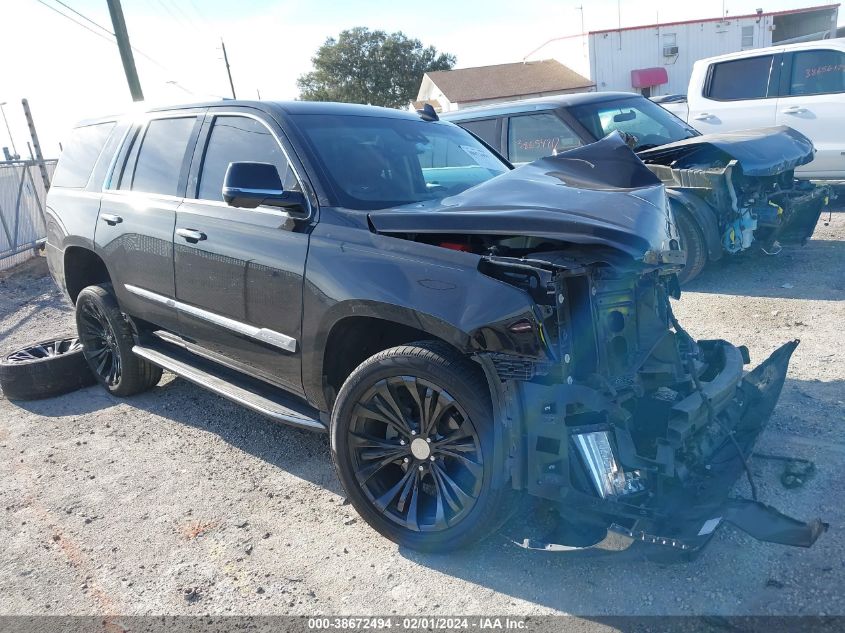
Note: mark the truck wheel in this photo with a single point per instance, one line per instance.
(692, 241)
(45, 369)
(107, 344)
(412, 443)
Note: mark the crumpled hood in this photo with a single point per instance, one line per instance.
(764, 151)
(598, 194)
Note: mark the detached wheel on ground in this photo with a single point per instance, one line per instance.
(412, 443)
(45, 369)
(692, 241)
(107, 344)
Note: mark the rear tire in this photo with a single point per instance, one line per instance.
(107, 344)
(692, 241)
(412, 443)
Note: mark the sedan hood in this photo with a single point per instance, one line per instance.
(764, 151)
(599, 194)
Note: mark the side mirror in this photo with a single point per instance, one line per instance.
(249, 185)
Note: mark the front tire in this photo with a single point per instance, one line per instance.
(107, 344)
(413, 445)
(692, 241)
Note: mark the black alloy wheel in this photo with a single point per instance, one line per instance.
(416, 453)
(414, 445)
(98, 341)
(48, 368)
(107, 341)
(46, 349)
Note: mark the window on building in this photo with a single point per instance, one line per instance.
(161, 155)
(670, 44)
(816, 72)
(236, 139)
(534, 136)
(82, 151)
(747, 37)
(485, 129)
(740, 79)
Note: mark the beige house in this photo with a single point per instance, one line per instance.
(449, 90)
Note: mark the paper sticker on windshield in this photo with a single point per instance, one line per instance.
(483, 158)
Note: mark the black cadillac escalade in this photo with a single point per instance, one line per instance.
(462, 330)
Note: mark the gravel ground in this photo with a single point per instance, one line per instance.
(179, 502)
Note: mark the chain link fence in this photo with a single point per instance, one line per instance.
(22, 203)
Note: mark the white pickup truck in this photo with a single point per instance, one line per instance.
(799, 85)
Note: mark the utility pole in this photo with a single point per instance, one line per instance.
(228, 70)
(39, 157)
(8, 129)
(122, 36)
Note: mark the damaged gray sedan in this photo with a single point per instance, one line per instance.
(728, 191)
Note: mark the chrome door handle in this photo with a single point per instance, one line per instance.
(794, 110)
(111, 219)
(703, 116)
(190, 235)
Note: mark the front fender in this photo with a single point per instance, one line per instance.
(355, 273)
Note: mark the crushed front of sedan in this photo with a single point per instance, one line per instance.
(606, 406)
(747, 178)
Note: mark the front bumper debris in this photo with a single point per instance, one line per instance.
(682, 520)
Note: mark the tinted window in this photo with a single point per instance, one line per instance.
(160, 157)
(378, 162)
(647, 122)
(80, 154)
(234, 139)
(486, 130)
(817, 72)
(740, 79)
(534, 136)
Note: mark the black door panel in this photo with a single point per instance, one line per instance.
(249, 269)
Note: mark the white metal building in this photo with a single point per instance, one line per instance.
(658, 58)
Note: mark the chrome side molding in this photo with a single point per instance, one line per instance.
(265, 335)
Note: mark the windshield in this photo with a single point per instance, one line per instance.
(649, 124)
(375, 163)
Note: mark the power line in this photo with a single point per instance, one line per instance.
(102, 28)
(84, 17)
(101, 35)
(65, 15)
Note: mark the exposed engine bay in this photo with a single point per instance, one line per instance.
(611, 410)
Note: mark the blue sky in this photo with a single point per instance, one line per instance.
(69, 73)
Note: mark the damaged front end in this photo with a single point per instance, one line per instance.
(609, 409)
(636, 431)
(747, 178)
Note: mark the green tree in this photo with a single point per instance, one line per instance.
(372, 67)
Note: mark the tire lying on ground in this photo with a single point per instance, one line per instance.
(45, 369)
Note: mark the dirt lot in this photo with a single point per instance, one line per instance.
(176, 501)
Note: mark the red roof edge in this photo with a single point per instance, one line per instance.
(729, 17)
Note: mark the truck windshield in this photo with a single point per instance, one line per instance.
(649, 124)
(375, 162)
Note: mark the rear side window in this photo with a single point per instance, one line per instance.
(160, 157)
(81, 153)
(235, 139)
(740, 79)
(817, 72)
(486, 130)
(537, 135)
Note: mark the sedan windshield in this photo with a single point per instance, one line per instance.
(380, 162)
(649, 124)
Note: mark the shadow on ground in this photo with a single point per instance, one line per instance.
(575, 583)
(813, 271)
